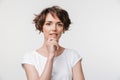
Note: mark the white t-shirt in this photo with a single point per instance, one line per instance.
(62, 65)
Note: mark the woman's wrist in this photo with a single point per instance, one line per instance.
(51, 56)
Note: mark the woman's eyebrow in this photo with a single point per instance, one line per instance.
(59, 22)
(52, 21)
(48, 21)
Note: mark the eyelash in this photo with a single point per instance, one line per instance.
(58, 24)
(48, 24)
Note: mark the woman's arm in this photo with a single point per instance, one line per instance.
(32, 74)
(30, 70)
(78, 72)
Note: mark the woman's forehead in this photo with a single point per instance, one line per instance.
(52, 17)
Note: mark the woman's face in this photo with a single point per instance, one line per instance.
(53, 27)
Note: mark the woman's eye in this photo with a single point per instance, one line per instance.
(59, 24)
(48, 24)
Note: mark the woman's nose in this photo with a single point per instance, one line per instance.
(54, 27)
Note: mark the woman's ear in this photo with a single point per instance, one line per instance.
(64, 31)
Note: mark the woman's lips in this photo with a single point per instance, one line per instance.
(53, 34)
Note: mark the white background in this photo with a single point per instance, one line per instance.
(95, 33)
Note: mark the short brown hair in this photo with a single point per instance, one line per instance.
(62, 14)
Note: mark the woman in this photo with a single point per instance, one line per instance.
(52, 61)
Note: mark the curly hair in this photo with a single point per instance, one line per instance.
(62, 14)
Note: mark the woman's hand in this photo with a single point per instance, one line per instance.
(52, 46)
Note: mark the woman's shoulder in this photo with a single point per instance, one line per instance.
(73, 56)
(72, 51)
(29, 57)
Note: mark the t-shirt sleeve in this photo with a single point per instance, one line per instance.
(27, 59)
(75, 58)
